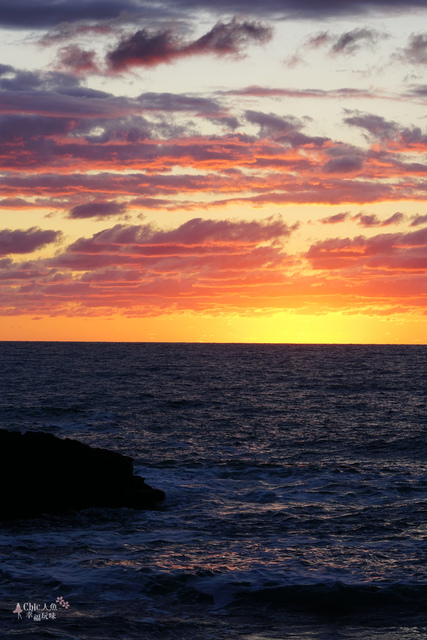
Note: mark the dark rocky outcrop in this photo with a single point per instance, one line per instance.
(40, 473)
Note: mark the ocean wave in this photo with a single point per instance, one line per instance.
(336, 598)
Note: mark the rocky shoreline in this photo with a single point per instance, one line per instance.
(43, 474)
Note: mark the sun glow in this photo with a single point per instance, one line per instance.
(280, 328)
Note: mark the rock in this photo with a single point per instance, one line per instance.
(40, 473)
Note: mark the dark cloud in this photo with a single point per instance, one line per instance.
(152, 203)
(150, 101)
(396, 218)
(50, 13)
(416, 51)
(229, 122)
(25, 241)
(335, 219)
(5, 69)
(375, 125)
(364, 219)
(389, 131)
(97, 209)
(413, 137)
(66, 31)
(68, 104)
(77, 60)
(230, 38)
(59, 95)
(344, 164)
(417, 220)
(282, 129)
(344, 158)
(145, 48)
(312, 9)
(351, 41)
(346, 43)
(15, 203)
(272, 92)
(418, 90)
(15, 128)
(367, 220)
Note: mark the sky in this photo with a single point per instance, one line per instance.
(199, 170)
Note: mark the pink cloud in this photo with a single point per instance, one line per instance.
(195, 265)
(388, 252)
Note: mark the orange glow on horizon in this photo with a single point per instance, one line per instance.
(279, 328)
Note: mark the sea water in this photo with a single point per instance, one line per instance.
(296, 483)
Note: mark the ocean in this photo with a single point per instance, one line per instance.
(296, 484)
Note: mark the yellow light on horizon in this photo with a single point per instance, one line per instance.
(281, 327)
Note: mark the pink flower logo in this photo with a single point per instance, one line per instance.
(63, 603)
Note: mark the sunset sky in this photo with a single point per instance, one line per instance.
(199, 170)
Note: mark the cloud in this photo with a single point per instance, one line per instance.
(145, 48)
(389, 133)
(150, 101)
(50, 13)
(66, 31)
(217, 265)
(388, 252)
(375, 125)
(416, 51)
(128, 147)
(56, 95)
(27, 128)
(341, 94)
(97, 209)
(319, 40)
(79, 61)
(343, 158)
(26, 241)
(292, 181)
(77, 103)
(335, 219)
(417, 91)
(351, 41)
(16, 203)
(345, 163)
(135, 268)
(417, 220)
(396, 218)
(200, 249)
(346, 43)
(371, 220)
(282, 129)
(194, 232)
(364, 219)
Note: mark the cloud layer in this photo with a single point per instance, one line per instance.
(49, 13)
(149, 49)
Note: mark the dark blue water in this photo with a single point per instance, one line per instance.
(296, 481)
